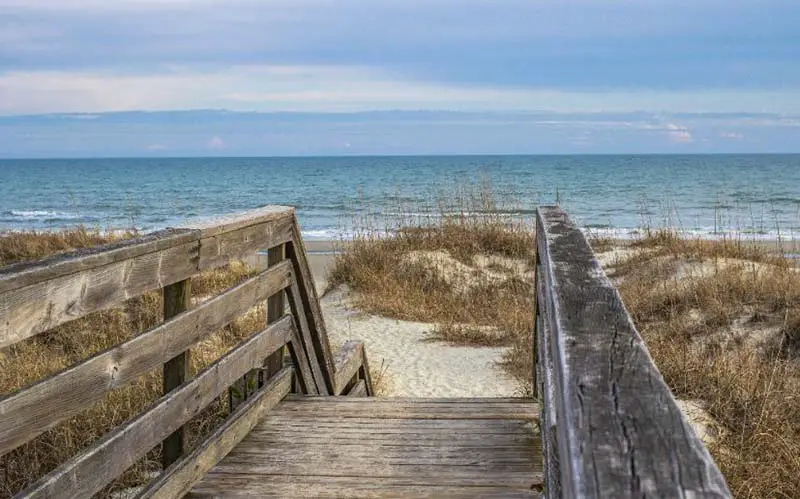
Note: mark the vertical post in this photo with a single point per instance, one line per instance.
(275, 307)
(177, 299)
(537, 316)
(243, 388)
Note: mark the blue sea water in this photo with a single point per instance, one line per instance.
(758, 195)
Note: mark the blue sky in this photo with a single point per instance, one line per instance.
(397, 76)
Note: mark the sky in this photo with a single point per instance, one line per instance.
(329, 77)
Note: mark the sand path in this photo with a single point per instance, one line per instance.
(412, 365)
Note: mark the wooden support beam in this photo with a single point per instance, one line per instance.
(177, 298)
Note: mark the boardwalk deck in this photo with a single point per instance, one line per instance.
(368, 447)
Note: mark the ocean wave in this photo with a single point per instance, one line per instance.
(41, 214)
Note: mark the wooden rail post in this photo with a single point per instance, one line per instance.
(177, 299)
(275, 307)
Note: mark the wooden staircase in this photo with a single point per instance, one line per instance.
(369, 447)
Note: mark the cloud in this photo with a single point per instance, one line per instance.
(325, 88)
(732, 135)
(199, 133)
(215, 143)
(156, 147)
(679, 134)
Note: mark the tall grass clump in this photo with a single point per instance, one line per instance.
(46, 354)
(722, 320)
(466, 266)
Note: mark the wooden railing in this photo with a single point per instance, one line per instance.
(610, 426)
(38, 296)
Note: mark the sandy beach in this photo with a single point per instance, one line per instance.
(410, 364)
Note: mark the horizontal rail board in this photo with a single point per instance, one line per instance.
(619, 430)
(181, 476)
(29, 412)
(37, 296)
(93, 469)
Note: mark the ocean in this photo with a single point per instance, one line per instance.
(708, 195)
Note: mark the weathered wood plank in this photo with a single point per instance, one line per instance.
(303, 372)
(177, 299)
(620, 432)
(275, 307)
(299, 313)
(178, 479)
(236, 221)
(43, 305)
(347, 363)
(464, 485)
(37, 296)
(229, 246)
(391, 409)
(23, 274)
(91, 470)
(547, 393)
(41, 406)
(358, 390)
(354, 488)
(297, 254)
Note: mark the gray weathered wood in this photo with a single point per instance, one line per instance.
(37, 296)
(222, 245)
(358, 390)
(27, 273)
(178, 479)
(620, 432)
(299, 313)
(43, 305)
(347, 363)
(399, 408)
(300, 362)
(297, 254)
(41, 406)
(91, 470)
(323, 454)
(275, 308)
(177, 299)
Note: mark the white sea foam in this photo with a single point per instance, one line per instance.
(43, 214)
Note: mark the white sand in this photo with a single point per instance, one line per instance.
(415, 366)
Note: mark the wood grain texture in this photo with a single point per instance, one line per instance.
(325, 455)
(303, 372)
(41, 406)
(620, 432)
(231, 245)
(177, 298)
(37, 296)
(27, 273)
(179, 478)
(33, 309)
(296, 252)
(358, 390)
(301, 318)
(347, 363)
(91, 470)
(400, 408)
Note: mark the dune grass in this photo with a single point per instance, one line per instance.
(721, 320)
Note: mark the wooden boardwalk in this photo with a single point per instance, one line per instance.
(368, 447)
(302, 421)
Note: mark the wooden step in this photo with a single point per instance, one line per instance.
(385, 447)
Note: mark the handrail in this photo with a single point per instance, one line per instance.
(610, 425)
(38, 296)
